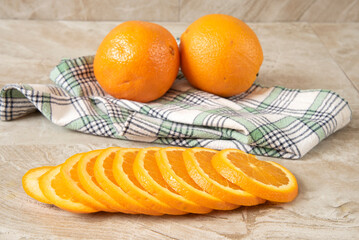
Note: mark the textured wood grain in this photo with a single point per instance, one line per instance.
(274, 10)
(332, 11)
(247, 10)
(340, 40)
(327, 204)
(89, 10)
(182, 10)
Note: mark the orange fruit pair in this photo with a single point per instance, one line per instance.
(140, 60)
(157, 181)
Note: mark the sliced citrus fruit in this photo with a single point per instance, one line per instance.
(30, 183)
(85, 171)
(264, 179)
(54, 189)
(172, 167)
(149, 176)
(72, 181)
(199, 167)
(104, 176)
(124, 175)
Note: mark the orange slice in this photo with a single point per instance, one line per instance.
(171, 164)
(85, 171)
(124, 175)
(105, 178)
(264, 179)
(30, 183)
(72, 182)
(54, 189)
(199, 167)
(149, 176)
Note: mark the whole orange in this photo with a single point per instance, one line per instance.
(220, 54)
(137, 61)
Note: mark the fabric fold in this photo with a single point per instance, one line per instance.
(275, 121)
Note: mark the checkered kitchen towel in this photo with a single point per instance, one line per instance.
(276, 121)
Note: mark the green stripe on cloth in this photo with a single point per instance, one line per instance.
(276, 121)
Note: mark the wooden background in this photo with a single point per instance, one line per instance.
(306, 43)
(182, 10)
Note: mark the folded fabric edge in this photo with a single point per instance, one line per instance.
(27, 98)
(13, 103)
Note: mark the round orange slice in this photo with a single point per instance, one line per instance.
(72, 182)
(264, 179)
(199, 167)
(171, 164)
(124, 175)
(30, 183)
(105, 178)
(85, 171)
(149, 176)
(53, 187)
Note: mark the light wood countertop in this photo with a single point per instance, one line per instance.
(296, 55)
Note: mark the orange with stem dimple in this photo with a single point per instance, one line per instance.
(72, 181)
(137, 61)
(30, 183)
(148, 174)
(264, 179)
(172, 167)
(220, 54)
(124, 175)
(199, 167)
(85, 171)
(104, 176)
(53, 187)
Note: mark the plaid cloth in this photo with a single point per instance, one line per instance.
(276, 121)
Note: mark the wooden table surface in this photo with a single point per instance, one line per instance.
(296, 55)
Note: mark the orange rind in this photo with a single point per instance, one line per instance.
(104, 176)
(124, 175)
(265, 179)
(199, 167)
(53, 187)
(149, 176)
(85, 171)
(72, 182)
(30, 183)
(172, 167)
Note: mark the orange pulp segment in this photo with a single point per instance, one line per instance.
(199, 166)
(149, 176)
(105, 178)
(264, 179)
(85, 171)
(72, 181)
(124, 175)
(171, 164)
(54, 189)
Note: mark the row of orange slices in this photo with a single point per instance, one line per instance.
(157, 181)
